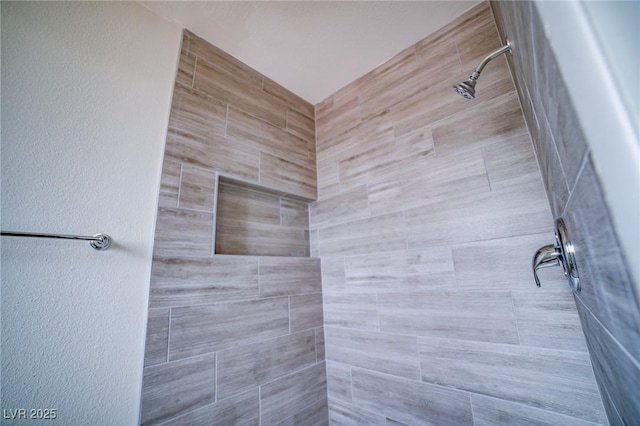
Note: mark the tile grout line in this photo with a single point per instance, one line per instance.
(216, 192)
(484, 165)
(473, 416)
(315, 344)
(583, 165)
(260, 405)
(481, 342)
(179, 186)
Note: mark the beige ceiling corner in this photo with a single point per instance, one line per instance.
(312, 48)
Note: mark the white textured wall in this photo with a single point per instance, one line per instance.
(86, 91)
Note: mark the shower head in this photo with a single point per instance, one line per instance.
(468, 88)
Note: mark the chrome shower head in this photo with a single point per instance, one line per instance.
(468, 88)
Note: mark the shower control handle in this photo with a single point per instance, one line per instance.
(545, 256)
(560, 253)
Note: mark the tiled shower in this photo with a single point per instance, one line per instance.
(364, 261)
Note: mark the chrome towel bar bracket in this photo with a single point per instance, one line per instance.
(560, 253)
(99, 242)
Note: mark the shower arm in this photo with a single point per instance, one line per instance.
(504, 49)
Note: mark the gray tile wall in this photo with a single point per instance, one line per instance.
(607, 305)
(234, 339)
(430, 208)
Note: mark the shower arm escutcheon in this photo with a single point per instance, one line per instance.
(560, 253)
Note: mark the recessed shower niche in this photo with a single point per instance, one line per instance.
(260, 221)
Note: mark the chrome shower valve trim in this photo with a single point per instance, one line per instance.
(560, 253)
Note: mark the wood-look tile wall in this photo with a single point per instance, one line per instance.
(430, 208)
(607, 304)
(234, 339)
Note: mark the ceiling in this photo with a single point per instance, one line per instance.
(312, 48)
